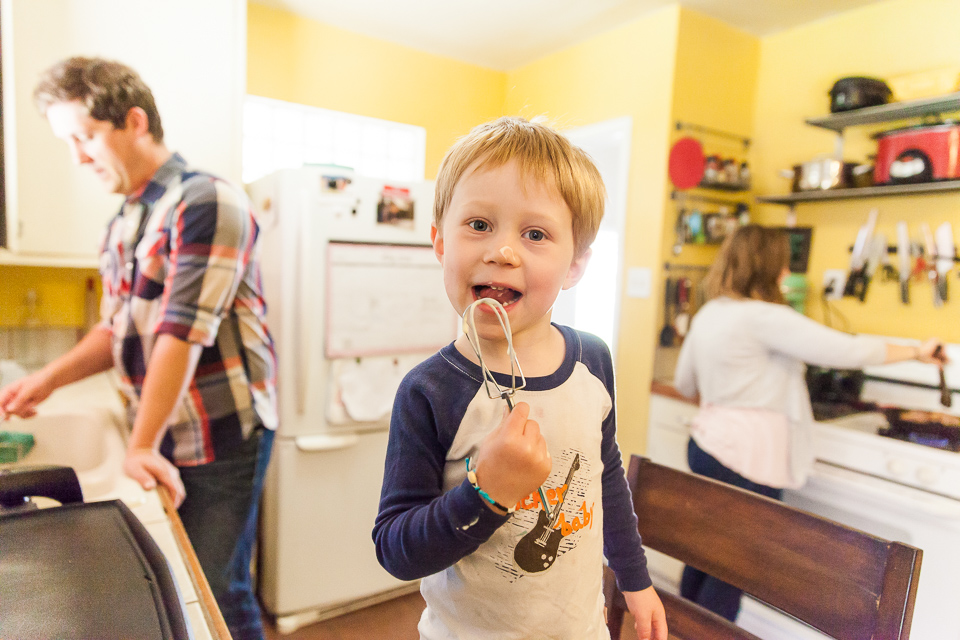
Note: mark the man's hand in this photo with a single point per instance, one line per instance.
(649, 619)
(512, 461)
(22, 397)
(148, 467)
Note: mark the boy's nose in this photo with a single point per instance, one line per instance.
(505, 255)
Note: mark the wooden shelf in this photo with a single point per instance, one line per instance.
(43, 260)
(925, 188)
(888, 112)
(724, 186)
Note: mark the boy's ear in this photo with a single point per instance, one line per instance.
(437, 241)
(577, 269)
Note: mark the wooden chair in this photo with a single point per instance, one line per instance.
(848, 584)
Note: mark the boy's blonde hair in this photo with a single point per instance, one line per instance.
(542, 154)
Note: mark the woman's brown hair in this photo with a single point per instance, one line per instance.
(749, 265)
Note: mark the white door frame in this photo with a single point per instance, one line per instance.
(615, 170)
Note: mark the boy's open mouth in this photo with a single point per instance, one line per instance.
(503, 295)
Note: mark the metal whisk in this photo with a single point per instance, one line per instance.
(494, 390)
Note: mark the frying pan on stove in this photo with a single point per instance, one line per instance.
(931, 428)
(79, 570)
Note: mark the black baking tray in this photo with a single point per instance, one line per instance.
(85, 570)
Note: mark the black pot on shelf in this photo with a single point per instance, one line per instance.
(857, 92)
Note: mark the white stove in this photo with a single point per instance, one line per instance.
(896, 489)
(852, 442)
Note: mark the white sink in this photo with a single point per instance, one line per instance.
(87, 440)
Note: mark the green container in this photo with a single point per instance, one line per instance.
(794, 288)
(14, 446)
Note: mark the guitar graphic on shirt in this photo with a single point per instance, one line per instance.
(537, 550)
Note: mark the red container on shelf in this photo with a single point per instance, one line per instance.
(918, 154)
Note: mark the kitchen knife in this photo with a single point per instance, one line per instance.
(876, 253)
(946, 251)
(861, 248)
(903, 258)
(931, 257)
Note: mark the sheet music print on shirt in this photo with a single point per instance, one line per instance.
(575, 513)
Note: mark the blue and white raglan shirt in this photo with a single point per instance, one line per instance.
(521, 575)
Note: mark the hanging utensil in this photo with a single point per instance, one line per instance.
(667, 333)
(680, 229)
(683, 306)
(494, 390)
(686, 163)
(875, 254)
(856, 282)
(930, 248)
(903, 260)
(946, 251)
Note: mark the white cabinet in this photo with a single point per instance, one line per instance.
(667, 436)
(669, 431)
(191, 54)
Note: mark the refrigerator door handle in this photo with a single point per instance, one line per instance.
(299, 326)
(324, 442)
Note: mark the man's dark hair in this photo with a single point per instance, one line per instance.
(106, 88)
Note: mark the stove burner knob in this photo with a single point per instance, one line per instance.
(928, 475)
(897, 467)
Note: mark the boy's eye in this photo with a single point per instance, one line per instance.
(478, 225)
(536, 235)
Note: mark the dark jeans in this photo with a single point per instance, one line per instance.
(220, 516)
(716, 595)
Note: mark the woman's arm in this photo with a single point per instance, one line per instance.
(925, 352)
(782, 329)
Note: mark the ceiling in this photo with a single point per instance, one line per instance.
(506, 34)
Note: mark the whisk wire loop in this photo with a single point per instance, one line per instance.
(493, 389)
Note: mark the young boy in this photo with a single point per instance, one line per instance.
(517, 207)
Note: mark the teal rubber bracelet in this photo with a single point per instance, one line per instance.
(472, 478)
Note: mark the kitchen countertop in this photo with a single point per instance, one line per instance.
(666, 388)
(154, 507)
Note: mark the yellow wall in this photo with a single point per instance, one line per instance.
(299, 60)
(797, 69)
(59, 295)
(716, 77)
(625, 72)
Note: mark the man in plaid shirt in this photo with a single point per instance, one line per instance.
(182, 323)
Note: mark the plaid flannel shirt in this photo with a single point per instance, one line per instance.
(180, 258)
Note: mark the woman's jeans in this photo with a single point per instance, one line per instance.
(716, 595)
(220, 517)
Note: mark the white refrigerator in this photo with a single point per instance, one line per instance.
(355, 300)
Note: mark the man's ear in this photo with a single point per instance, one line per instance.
(577, 269)
(137, 121)
(437, 241)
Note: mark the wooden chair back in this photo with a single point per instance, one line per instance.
(848, 584)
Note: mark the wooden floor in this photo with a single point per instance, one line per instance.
(392, 620)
